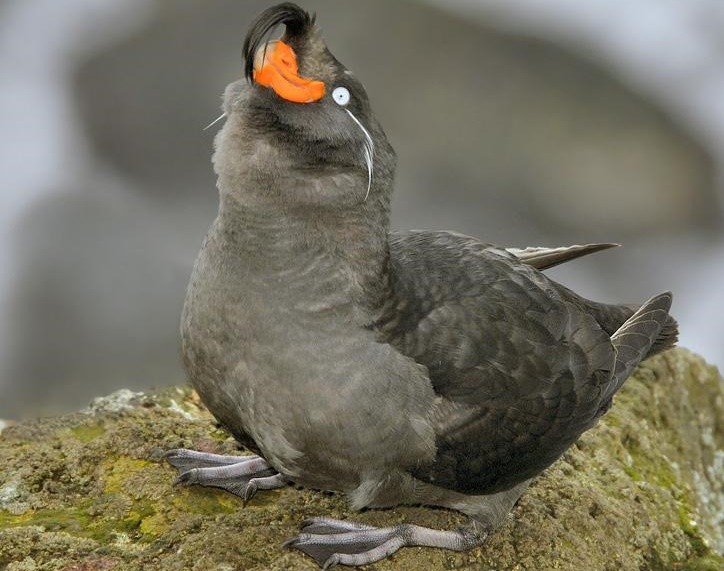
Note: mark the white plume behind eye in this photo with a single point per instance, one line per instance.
(368, 151)
(341, 96)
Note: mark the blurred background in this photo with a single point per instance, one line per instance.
(518, 121)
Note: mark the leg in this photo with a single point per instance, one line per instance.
(240, 475)
(332, 542)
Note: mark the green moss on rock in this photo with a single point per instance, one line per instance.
(88, 432)
(711, 562)
(91, 491)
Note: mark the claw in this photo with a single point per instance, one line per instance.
(187, 478)
(333, 561)
(250, 490)
(180, 480)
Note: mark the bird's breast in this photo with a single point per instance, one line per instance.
(277, 350)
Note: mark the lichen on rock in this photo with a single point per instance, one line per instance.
(91, 491)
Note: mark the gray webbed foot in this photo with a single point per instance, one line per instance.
(332, 542)
(240, 475)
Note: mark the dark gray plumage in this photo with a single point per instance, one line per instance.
(415, 367)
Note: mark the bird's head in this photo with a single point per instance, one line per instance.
(299, 126)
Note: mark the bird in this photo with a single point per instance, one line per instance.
(396, 367)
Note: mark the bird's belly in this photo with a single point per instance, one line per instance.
(277, 394)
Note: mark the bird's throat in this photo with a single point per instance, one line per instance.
(325, 260)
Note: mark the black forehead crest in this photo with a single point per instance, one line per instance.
(298, 23)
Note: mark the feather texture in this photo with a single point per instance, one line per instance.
(544, 258)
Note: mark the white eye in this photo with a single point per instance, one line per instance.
(341, 96)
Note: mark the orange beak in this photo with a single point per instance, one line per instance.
(275, 66)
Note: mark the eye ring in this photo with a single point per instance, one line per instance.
(341, 96)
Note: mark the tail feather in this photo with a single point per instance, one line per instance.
(648, 331)
(667, 338)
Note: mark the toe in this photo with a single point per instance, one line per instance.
(326, 525)
(319, 552)
(356, 547)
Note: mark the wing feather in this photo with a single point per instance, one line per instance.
(544, 258)
(520, 365)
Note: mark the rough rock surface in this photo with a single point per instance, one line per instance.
(90, 491)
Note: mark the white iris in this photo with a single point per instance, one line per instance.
(341, 96)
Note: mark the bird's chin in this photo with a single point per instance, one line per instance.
(236, 96)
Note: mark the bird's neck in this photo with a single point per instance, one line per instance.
(324, 255)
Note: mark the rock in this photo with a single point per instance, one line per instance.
(90, 491)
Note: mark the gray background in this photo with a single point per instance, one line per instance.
(521, 122)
